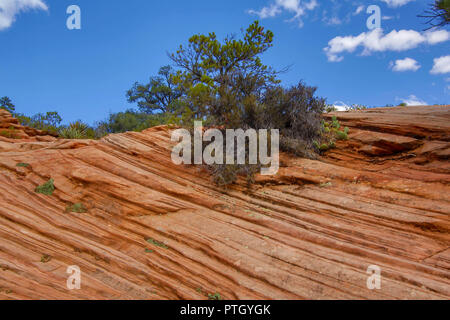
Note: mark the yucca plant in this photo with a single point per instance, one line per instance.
(72, 133)
(77, 130)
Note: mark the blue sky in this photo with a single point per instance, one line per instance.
(84, 74)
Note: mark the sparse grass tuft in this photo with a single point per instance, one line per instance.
(215, 296)
(77, 207)
(46, 258)
(47, 188)
(23, 165)
(157, 243)
(8, 134)
(325, 185)
(72, 133)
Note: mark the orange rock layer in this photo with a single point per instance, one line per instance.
(155, 230)
(10, 128)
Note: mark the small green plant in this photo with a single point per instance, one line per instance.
(325, 185)
(77, 207)
(46, 258)
(148, 250)
(71, 133)
(215, 296)
(157, 243)
(341, 135)
(335, 123)
(6, 134)
(23, 165)
(403, 104)
(324, 147)
(47, 188)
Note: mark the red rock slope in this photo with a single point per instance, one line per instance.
(381, 198)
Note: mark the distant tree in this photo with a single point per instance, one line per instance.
(6, 104)
(52, 119)
(160, 94)
(438, 15)
(49, 121)
(130, 120)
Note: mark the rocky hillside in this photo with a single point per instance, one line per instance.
(140, 227)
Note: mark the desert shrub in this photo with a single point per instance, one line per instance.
(47, 188)
(295, 111)
(227, 174)
(297, 147)
(403, 104)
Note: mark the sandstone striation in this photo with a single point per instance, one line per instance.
(154, 230)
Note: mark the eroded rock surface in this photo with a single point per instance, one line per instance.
(11, 129)
(155, 230)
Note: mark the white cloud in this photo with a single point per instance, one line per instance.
(267, 12)
(412, 100)
(358, 10)
(434, 37)
(9, 9)
(298, 7)
(341, 106)
(377, 41)
(441, 65)
(406, 64)
(396, 3)
(333, 21)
